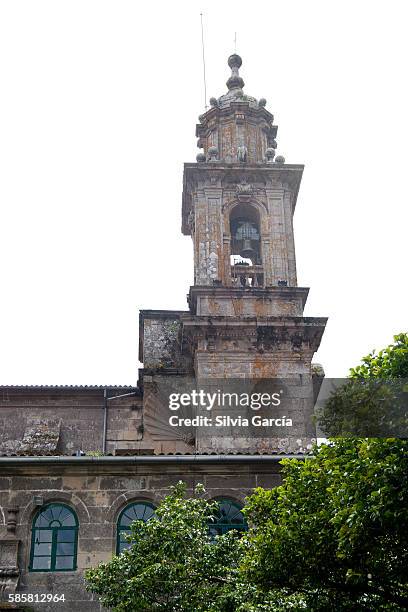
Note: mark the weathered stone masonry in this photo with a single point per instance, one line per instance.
(97, 449)
(97, 488)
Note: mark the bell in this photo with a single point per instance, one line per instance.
(247, 250)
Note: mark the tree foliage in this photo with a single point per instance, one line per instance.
(173, 563)
(336, 530)
(390, 362)
(374, 400)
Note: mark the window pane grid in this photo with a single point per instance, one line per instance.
(54, 539)
(229, 516)
(138, 511)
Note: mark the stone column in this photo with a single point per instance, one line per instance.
(278, 235)
(290, 241)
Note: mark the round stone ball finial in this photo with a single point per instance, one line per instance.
(200, 158)
(270, 154)
(212, 153)
(279, 159)
(262, 102)
(234, 61)
(235, 81)
(213, 102)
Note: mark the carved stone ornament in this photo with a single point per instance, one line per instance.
(244, 190)
(9, 572)
(191, 221)
(242, 153)
(12, 519)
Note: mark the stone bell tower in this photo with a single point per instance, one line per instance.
(245, 318)
(238, 203)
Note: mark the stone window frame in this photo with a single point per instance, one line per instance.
(55, 532)
(30, 509)
(253, 202)
(129, 505)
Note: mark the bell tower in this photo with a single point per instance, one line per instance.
(238, 205)
(245, 320)
(239, 199)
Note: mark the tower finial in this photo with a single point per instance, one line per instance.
(235, 81)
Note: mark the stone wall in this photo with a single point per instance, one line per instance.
(160, 340)
(98, 489)
(65, 420)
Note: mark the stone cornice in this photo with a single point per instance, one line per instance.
(269, 333)
(286, 293)
(28, 466)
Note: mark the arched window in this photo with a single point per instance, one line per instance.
(245, 233)
(229, 516)
(54, 539)
(245, 253)
(138, 511)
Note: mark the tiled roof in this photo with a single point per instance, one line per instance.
(233, 453)
(144, 454)
(72, 387)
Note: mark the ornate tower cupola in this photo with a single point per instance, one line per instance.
(237, 127)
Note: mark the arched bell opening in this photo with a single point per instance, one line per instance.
(246, 256)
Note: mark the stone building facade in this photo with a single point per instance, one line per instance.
(75, 461)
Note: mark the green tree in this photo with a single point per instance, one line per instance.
(390, 362)
(173, 564)
(374, 400)
(336, 531)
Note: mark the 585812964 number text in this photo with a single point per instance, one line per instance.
(35, 597)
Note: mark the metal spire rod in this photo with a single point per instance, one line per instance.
(202, 45)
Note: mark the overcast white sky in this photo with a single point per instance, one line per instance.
(98, 106)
